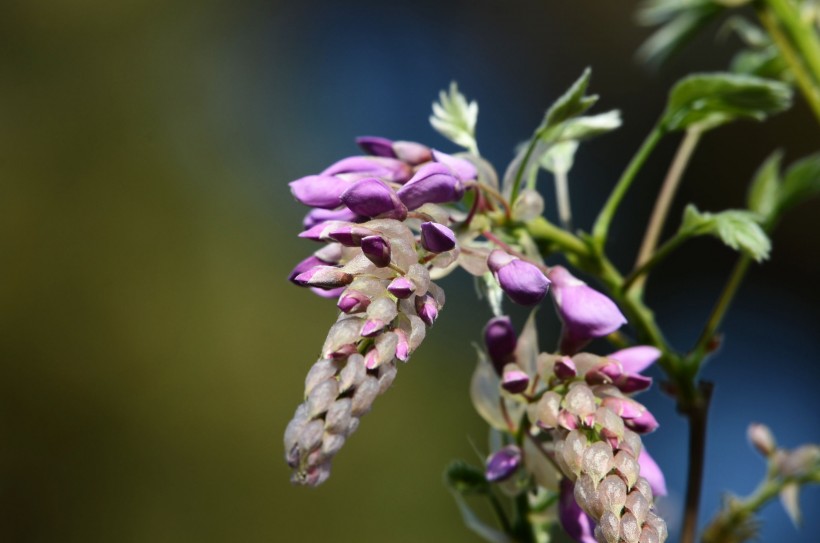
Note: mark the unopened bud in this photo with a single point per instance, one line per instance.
(503, 463)
(762, 439)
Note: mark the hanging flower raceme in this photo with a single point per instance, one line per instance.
(383, 231)
(581, 415)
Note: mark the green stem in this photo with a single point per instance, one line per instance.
(697, 414)
(540, 228)
(523, 166)
(810, 89)
(664, 201)
(601, 227)
(804, 35)
(705, 343)
(500, 513)
(632, 281)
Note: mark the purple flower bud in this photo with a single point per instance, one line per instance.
(349, 235)
(326, 277)
(387, 168)
(762, 439)
(376, 146)
(564, 368)
(377, 250)
(577, 524)
(403, 345)
(503, 463)
(401, 288)
(427, 309)
(644, 423)
(436, 237)
(372, 197)
(322, 191)
(500, 339)
(522, 281)
(411, 152)
(463, 169)
(625, 408)
(586, 313)
(353, 301)
(514, 380)
(613, 372)
(318, 216)
(372, 327)
(303, 266)
(651, 471)
(432, 184)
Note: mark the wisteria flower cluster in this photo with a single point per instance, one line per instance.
(565, 427)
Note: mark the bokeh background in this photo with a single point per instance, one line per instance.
(151, 351)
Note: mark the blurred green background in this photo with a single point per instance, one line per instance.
(151, 351)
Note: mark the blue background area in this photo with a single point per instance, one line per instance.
(151, 350)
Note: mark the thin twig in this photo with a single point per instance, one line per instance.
(664, 201)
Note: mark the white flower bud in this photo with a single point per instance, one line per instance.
(658, 524)
(338, 416)
(649, 535)
(353, 373)
(547, 409)
(587, 497)
(597, 461)
(311, 435)
(320, 372)
(321, 397)
(627, 467)
(387, 373)
(630, 528)
(762, 439)
(612, 492)
(580, 400)
(575, 445)
(610, 527)
(332, 443)
(637, 505)
(364, 395)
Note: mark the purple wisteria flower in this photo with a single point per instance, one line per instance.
(503, 463)
(523, 282)
(651, 471)
(500, 340)
(322, 191)
(432, 184)
(585, 313)
(623, 368)
(372, 197)
(436, 237)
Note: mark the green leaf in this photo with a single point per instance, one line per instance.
(572, 103)
(455, 118)
(800, 182)
(765, 62)
(679, 20)
(763, 191)
(738, 229)
(465, 479)
(705, 101)
(585, 127)
(674, 35)
(559, 158)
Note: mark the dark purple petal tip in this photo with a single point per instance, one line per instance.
(436, 237)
